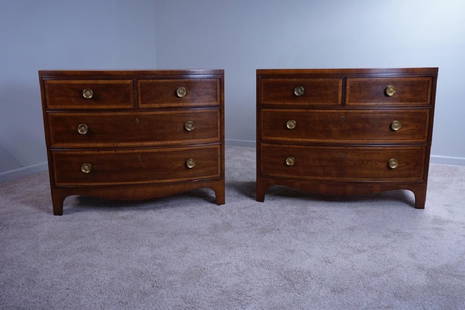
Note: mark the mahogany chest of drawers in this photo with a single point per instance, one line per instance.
(345, 131)
(133, 134)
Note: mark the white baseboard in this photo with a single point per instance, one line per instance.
(23, 171)
(31, 169)
(240, 142)
(435, 159)
(448, 160)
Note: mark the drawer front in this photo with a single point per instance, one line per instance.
(179, 92)
(339, 163)
(301, 91)
(135, 166)
(89, 94)
(389, 91)
(345, 126)
(133, 128)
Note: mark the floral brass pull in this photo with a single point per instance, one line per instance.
(190, 163)
(390, 90)
(393, 163)
(82, 129)
(291, 124)
(396, 125)
(181, 92)
(290, 161)
(87, 93)
(299, 91)
(189, 126)
(86, 168)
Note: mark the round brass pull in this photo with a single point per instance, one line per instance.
(87, 93)
(82, 129)
(189, 126)
(390, 90)
(290, 161)
(396, 125)
(181, 92)
(393, 163)
(86, 168)
(299, 91)
(291, 124)
(190, 163)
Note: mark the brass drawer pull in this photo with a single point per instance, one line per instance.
(86, 168)
(190, 163)
(290, 161)
(299, 91)
(82, 129)
(291, 124)
(87, 93)
(393, 163)
(396, 125)
(189, 126)
(181, 92)
(390, 90)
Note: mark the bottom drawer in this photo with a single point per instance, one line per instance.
(343, 163)
(135, 166)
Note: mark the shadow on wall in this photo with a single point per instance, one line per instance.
(7, 160)
(21, 127)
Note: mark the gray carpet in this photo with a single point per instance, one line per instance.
(295, 251)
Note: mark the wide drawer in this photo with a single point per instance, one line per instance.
(133, 128)
(343, 163)
(135, 166)
(301, 91)
(345, 126)
(389, 91)
(89, 94)
(179, 92)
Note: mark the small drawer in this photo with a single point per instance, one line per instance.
(105, 129)
(89, 94)
(389, 91)
(345, 126)
(301, 91)
(179, 92)
(135, 166)
(343, 163)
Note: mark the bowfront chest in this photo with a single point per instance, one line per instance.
(345, 131)
(133, 134)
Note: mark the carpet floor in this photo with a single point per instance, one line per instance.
(295, 251)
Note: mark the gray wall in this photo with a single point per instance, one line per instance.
(239, 36)
(243, 35)
(84, 34)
